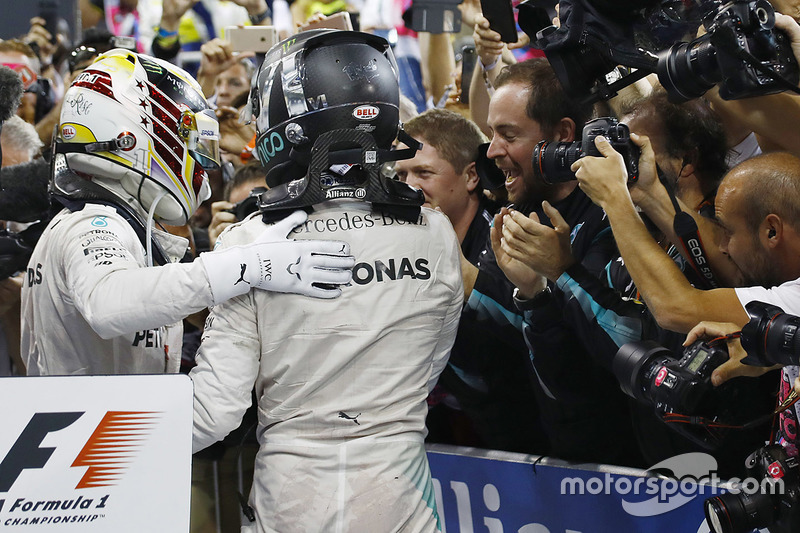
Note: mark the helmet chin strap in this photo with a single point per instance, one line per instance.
(150, 216)
(317, 184)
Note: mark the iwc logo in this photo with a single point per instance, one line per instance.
(366, 112)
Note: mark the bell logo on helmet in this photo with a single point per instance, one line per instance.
(366, 112)
(68, 132)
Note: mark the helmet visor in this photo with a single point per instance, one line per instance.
(204, 146)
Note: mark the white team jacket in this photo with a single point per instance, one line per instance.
(341, 384)
(89, 306)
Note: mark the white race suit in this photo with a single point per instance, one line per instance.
(341, 384)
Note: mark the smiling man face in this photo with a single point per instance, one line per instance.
(529, 105)
(514, 136)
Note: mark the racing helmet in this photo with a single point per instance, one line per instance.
(318, 81)
(142, 122)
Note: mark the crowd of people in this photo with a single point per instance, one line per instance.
(453, 306)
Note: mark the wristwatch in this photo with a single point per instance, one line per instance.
(255, 20)
(539, 300)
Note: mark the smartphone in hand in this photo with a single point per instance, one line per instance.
(337, 21)
(500, 14)
(468, 58)
(434, 16)
(257, 39)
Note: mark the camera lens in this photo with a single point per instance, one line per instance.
(688, 70)
(771, 335)
(634, 364)
(551, 161)
(739, 513)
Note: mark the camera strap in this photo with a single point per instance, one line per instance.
(686, 229)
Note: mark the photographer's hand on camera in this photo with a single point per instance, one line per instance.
(543, 248)
(733, 367)
(647, 189)
(529, 283)
(221, 218)
(790, 28)
(603, 179)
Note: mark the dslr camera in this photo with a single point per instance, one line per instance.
(650, 373)
(552, 160)
(15, 251)
(16, 248)
(741, 51)
(249, 205)
(770, 337)
(682, 387)
(776, 508)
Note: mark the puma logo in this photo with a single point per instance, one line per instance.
(241, 275)
(344, 415)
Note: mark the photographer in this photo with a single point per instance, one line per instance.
(756, 206)
(691, 151)
(245, 179)
(771, 117)
(20, 144)
(582, 410)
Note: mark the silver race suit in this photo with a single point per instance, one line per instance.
(341, 384)
(89, 306)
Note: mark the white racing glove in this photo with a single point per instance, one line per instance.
(274, 263)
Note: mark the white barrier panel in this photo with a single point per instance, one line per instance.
(95, 453)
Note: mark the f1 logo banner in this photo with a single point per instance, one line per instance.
(95, 453)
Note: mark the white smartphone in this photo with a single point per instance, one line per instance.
(337, 21)
(251, 38)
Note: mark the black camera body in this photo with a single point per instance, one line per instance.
(739, 51)
(16, 249)
(775, 505)
(249, 205)
(770, 338)
(651, 374)
(552, 160)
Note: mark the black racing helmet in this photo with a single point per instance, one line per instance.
(318, 81)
